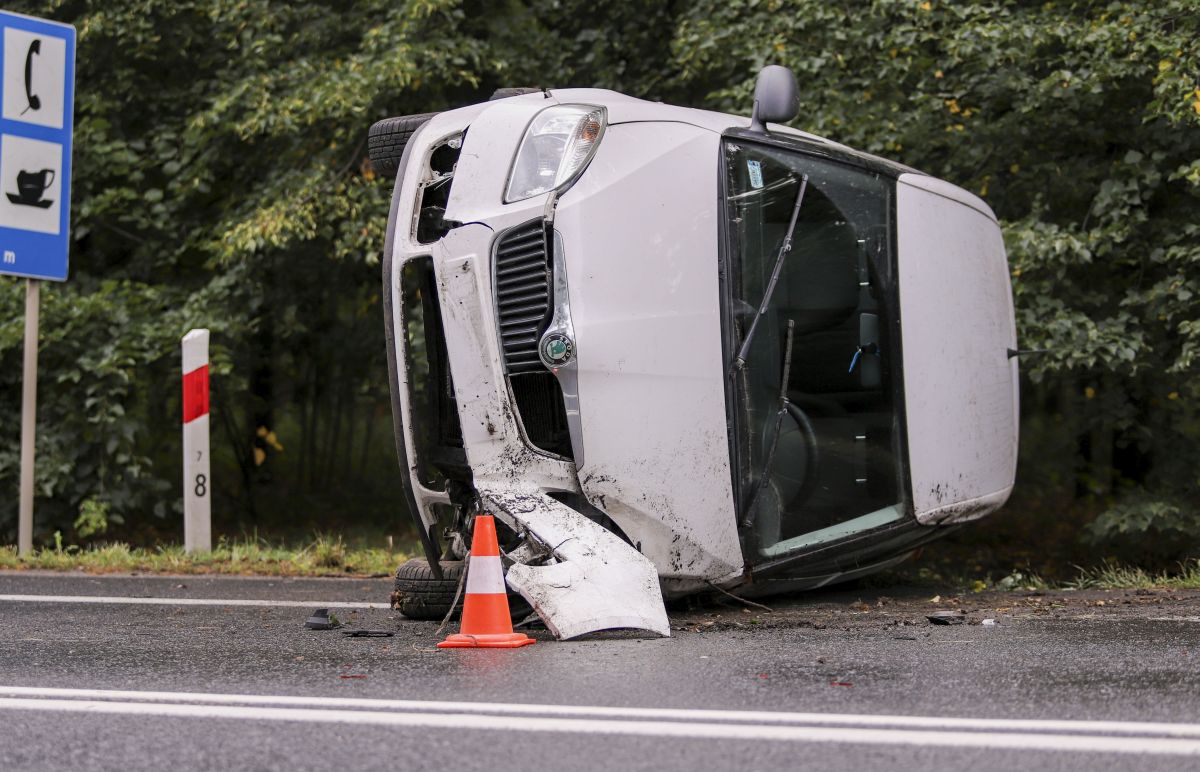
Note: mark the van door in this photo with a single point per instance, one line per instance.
(816, 425)
(960, 383)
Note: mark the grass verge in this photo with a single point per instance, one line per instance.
(1112, 576)
(323, 556)
(1107, 576)
(330, 555)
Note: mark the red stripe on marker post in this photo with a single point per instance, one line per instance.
(195, 394)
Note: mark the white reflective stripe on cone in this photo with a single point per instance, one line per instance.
(485, 575)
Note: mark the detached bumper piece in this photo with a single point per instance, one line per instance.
(580, 577)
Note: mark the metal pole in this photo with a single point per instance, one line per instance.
(28, 417)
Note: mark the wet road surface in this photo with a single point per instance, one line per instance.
(193, 675)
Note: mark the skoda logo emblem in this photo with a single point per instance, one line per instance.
(557, 349)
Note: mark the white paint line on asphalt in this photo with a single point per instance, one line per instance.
(591, 726)
(510, 709)
(118, 600)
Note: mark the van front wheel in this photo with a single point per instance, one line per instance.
(387, 138)
(418, 594)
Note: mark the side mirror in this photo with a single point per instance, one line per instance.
(776, 97)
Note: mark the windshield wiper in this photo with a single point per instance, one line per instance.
(740, 360)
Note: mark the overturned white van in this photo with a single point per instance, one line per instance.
(674, 350)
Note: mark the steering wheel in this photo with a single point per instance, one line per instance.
(796, 482)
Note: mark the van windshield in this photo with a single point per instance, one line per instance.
(824, 462)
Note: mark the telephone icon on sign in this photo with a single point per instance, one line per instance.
(34, 102)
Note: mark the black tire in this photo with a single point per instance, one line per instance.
(505, 93)
(387, 138)
(418, 594)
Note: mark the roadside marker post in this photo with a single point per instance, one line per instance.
(37, 115)
(197, 503)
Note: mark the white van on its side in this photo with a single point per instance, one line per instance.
(671, 350)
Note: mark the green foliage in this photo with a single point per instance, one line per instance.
(1078, 122)
(94, 518)
(1147, 529)
(1021, 580)
(221, 182)
(93, 411)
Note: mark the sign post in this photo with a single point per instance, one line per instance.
(37, 98)
(197, 480)
(28, 418)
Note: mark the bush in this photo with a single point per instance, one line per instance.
(1147, 531)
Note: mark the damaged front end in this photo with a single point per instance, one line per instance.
(482, 422)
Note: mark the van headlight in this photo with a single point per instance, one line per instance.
(556, 147)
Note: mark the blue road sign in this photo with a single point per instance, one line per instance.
(37, 98)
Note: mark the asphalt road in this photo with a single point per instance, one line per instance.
(212, 685)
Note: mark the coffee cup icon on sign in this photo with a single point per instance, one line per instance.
(30, 187)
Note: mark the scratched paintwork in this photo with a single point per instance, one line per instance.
(651, 380)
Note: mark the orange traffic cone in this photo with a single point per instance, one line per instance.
(485, 620)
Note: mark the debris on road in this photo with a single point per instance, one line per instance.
(989, 623)
(740, 599)
(368, 633)
(946, 617)
(321, 619)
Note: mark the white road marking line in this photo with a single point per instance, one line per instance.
(701, 730)
(922, 723)
(118, 600)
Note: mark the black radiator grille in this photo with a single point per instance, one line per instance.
(524, 281)
(540, 407)
(522, 295)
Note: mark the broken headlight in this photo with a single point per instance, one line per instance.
(556, 147)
